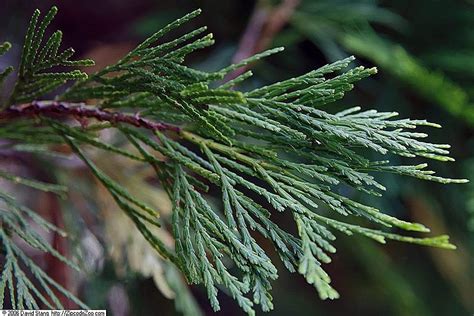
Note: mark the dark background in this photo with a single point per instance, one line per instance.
(425, 54)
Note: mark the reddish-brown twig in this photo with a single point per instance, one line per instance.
(82, 111)
(263, 25)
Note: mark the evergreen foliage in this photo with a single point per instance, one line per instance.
(343, 27)
(271, 149)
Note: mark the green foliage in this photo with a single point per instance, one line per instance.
(4, 47)
(326, 22)
(433, 86)
(33, 80)
(344, 27)
(27, 289)
(271, 149)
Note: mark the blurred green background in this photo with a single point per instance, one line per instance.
(424, 51)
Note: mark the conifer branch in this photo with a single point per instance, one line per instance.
(271, 149)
